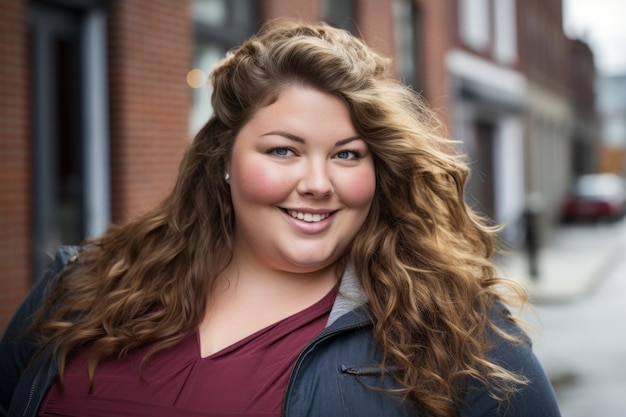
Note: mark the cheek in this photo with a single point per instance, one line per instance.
(261, 183)
(357, 190)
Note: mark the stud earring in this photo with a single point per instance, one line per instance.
(227, 176)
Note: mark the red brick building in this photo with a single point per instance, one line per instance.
(561, 136)
(586, 137)
(93, 118)
(96, 110)
(15, 174)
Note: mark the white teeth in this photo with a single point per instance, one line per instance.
(308, 217)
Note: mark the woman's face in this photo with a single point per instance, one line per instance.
(302, 182)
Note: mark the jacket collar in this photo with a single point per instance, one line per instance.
(350, 297)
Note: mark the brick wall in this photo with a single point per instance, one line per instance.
(375, 24)
(439, 21)
(150, 47)
(582, 76)
(14, 159)
(544, 48)
(299, 9)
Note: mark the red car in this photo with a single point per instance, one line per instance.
(595, 197)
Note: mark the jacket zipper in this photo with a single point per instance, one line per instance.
(367, 371)
(307, 349)
(65, 258)
(31, 394)
(48, 371)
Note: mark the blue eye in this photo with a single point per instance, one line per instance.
(281, 151)
(347, 155)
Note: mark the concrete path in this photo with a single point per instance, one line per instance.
(571, 264)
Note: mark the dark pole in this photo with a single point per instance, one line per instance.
(532, 239)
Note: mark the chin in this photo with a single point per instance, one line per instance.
(310, 265)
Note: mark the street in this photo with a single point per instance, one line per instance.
(582, 342)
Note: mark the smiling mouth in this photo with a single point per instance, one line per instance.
(308, 217)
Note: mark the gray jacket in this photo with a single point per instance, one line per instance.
(337, 374)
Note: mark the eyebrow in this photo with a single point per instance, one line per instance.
(298, 139)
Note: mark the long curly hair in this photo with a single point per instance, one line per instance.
(422, 256)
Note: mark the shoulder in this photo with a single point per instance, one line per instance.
(536, 397)
(509, 345)
(501, 317)
(17, 346)
(63, 256)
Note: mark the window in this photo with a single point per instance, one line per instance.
(70, 124)
(474, 23)
(340, 14)
(220, 25)
(407, 40)
(614, 132)
(505, 48)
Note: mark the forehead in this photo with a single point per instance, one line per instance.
(304, 110)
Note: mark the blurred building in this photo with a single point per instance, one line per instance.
(611, 93)
(488, 94)
(94, 120)
(586, 135)
(100, 97)
(561, 135)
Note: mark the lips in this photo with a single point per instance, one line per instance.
(308, 217)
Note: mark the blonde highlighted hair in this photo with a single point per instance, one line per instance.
(422, 256)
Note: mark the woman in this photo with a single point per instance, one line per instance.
(315, 257)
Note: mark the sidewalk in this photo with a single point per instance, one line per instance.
(571, 264)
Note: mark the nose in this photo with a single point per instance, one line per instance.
(315, 180)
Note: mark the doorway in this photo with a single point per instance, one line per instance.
(481, 184)
(69, 124)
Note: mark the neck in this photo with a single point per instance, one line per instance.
(253, 280)
(248, 298)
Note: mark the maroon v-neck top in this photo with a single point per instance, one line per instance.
(247, 378)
